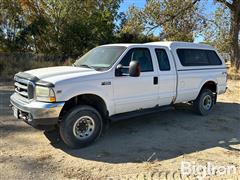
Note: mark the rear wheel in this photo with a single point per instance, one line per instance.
(204, 102)
(81, 126)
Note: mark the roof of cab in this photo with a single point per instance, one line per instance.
(169, 44)
(122, 44)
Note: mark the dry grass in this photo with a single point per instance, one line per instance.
(233, 73)
(10, 67)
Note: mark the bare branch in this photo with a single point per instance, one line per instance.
(181, 11)
(151, 29)
(208, 20)
(229, 5)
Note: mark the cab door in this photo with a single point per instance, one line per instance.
(167, 76)
(134, 93)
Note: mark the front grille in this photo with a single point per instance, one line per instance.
(24, 88)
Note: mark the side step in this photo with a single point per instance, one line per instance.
(141, 112)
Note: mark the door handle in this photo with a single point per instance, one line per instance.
(155, 80)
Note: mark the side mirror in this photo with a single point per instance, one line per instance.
(118, 71)
(134, 69)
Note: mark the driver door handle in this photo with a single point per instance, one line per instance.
(155, 80)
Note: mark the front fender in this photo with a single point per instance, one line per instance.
(73, 90)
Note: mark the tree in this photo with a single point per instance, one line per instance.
(131, 26)
(234, 7)
(88, 24)
(11, 25)
(217, 30)
(67, 27)
(172, 19)
(183, 21)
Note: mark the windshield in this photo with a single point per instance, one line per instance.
(100, 57)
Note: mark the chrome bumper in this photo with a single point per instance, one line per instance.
(35, 112)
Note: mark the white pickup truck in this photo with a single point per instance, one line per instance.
(118, 81)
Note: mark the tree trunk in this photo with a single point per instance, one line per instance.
(234, 34)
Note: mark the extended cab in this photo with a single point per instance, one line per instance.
(116, 81)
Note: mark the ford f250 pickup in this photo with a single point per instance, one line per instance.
(116, 81)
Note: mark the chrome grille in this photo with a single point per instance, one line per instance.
(24, 87)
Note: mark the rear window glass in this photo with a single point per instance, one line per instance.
(213, 58)
(163, 60)
(198, 57)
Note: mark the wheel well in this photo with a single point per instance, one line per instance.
(211, 86)
(86, 99)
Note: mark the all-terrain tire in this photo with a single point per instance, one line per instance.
(81, 126)
(204, 102)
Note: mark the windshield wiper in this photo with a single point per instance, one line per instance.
(87, 66)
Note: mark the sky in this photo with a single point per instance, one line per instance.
(208, 4)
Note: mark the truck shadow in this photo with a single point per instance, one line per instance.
(162, 135)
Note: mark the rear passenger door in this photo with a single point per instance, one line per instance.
(166, 75)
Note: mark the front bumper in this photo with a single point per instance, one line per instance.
(34, 112)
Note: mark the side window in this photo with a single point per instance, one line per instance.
(213, 58)
(193, 57)
(142, 55)
(163, 60)
(198, 57)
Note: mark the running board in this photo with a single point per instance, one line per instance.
(141, 112)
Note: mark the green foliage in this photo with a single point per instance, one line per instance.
(11, 25)
(88, 24)
(180, 26)
(56, 26)
(132, 27)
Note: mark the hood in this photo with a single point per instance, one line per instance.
(60, 73)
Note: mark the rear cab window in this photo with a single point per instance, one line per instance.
(163, 60)
(198, 57)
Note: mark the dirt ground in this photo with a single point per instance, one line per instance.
(147, 147)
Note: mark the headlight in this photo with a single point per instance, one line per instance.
(45, 94)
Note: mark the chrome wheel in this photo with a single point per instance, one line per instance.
(84, 127)
(207, 102)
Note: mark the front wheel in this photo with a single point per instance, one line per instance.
(204, 102)
(81, 126)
